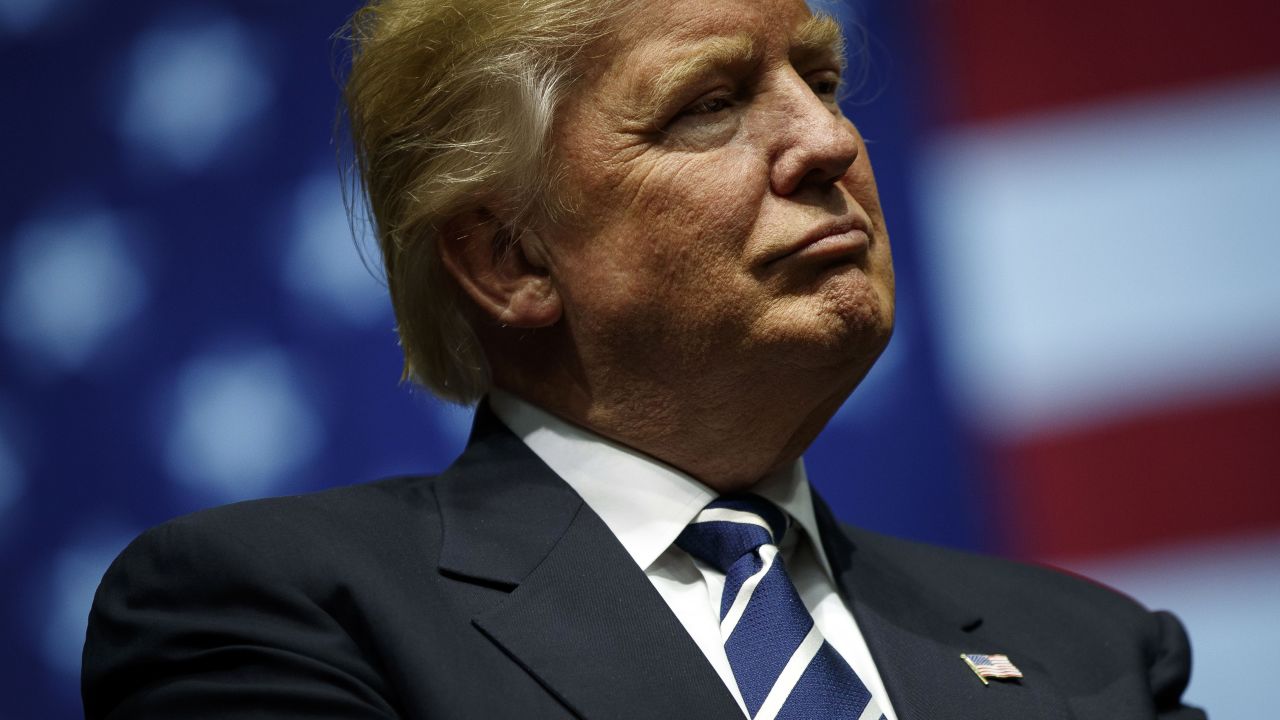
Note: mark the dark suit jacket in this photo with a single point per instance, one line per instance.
(494, 591)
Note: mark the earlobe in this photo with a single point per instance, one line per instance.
(503, 270)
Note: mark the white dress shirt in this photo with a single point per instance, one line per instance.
(647, 504)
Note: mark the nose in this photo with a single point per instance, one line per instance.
(818, 146)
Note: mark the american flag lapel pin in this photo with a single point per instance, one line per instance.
(991, 666)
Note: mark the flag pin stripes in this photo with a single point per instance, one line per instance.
(991, 666)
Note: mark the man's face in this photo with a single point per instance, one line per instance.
(727, 211)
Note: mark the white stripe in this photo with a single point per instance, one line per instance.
(871, 711)
(790, 675)
(739, 606)
(1091, 264)
(730, 515)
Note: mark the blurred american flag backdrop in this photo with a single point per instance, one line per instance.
(1082, 199)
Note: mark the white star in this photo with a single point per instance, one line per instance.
(73, 579)
(242, 424)
(71, 286)
(190, 90)
(323, 268)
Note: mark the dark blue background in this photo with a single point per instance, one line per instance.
(185, 322)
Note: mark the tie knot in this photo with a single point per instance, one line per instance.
(731, 527)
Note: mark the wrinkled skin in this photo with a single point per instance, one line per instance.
(678, 317)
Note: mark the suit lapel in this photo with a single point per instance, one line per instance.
(916, 637)
(580, 616)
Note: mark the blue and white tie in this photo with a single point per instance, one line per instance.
(783, 665)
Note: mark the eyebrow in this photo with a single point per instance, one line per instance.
(820, 35)
(710, 56)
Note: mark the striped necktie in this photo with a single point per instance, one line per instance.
(783, 665)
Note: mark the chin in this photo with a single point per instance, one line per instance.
(837, 344)
(853, 329)
(857, 305)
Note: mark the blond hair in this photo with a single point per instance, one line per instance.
(450, 105)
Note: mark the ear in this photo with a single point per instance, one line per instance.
(505, 276)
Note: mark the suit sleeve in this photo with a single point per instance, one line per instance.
(194, 620)
(1171, 669)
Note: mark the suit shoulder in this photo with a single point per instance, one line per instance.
(986, 580)
(381, 505)
(273, 584)
(1112, 652)
(287, 535)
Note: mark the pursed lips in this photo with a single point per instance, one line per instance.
(838, 238)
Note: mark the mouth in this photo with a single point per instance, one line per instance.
(842, 239)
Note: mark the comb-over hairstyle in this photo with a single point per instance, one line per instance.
(450, 104)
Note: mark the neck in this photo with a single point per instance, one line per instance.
(727, 430)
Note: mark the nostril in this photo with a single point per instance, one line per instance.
(824, 167)
(836, 167)
(816, 148)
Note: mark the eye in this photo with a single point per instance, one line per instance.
(825, 84)
(709, 105)
(709, 119)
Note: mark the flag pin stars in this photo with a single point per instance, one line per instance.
(991, 666)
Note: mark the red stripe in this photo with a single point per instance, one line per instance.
(1193, 472)
(996, 58)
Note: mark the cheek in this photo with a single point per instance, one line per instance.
(661, 240)
(860, 182)
(698, 207)
(672, 267)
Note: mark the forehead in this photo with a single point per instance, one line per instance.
(654, 27)
(660, 46)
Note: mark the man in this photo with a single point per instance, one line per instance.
(645, 233)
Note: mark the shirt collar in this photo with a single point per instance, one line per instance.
(644, 502)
